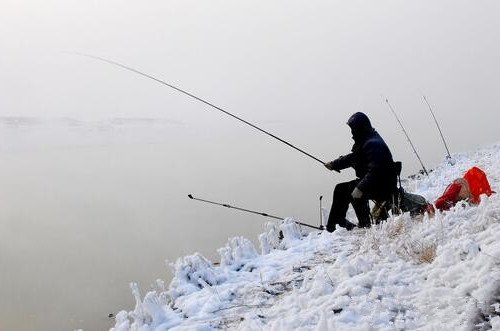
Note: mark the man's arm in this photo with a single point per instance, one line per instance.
(342, 162)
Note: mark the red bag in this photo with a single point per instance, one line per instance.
(449, 197)
(478, 184)
(470, 187)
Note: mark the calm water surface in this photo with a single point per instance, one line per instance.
(80, 218)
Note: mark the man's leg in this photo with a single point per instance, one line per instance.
(362, 209)
(341, 199)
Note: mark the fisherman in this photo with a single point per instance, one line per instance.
(376, 178)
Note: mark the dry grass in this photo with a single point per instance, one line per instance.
(420, 252)
(428, 254)
(396, 230)
(399, 232)
(381, 233)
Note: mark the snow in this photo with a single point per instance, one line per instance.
(422, 273)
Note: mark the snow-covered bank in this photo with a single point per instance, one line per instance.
(430, 273)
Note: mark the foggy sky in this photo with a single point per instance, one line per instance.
(297, 68)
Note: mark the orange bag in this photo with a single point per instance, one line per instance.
(478, 184)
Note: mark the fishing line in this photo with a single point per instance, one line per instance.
(196, 98)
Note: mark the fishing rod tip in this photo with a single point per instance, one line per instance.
(190, 196)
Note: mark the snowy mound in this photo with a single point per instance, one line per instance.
(426, 273)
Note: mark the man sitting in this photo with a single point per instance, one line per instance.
(376, 179)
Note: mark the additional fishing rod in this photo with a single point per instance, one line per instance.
(321, 226)
(439, 128)
(190, 196)
(196, 98)
(407, 137)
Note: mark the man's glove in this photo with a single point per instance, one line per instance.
(356, 193)
(333, 165)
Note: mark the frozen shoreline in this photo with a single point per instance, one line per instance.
(404, 274)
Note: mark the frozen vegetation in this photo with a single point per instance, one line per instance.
(405, 274)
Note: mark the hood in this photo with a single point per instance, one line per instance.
(360, 126)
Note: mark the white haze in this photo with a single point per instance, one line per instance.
(76, 184)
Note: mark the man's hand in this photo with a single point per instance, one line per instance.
(329, 165)
(356, 193)
(332, 165)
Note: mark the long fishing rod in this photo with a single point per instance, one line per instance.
(439, 128)
(407, 137)
(196, 98)
(190, 196)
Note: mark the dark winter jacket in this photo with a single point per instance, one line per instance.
(371, 159)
